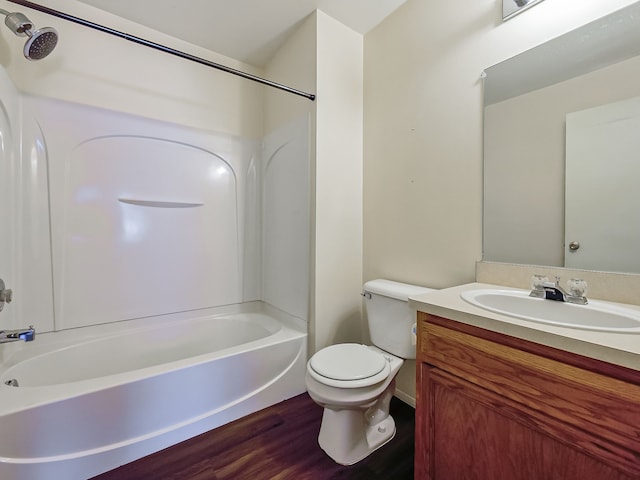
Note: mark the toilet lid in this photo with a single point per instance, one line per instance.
(347, 361)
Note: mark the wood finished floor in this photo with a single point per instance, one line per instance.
(280, 443)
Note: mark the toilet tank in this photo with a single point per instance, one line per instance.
(389, 316)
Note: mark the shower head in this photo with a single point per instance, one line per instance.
(40, 43)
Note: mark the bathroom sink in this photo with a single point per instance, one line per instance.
(596, 315)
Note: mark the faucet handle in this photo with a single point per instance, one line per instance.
(5, 294)
(538, 281)
(537, 286)
(577, 287)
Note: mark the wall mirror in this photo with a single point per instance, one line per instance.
(561, 150)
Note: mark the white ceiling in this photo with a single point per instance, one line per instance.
(246, 30)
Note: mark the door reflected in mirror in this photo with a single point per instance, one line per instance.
(602, 195)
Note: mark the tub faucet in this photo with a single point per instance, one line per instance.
(26, 334)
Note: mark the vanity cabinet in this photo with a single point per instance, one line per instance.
(494, 407)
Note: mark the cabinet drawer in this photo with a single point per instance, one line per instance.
(605, 407)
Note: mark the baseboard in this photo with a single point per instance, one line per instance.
(405, 397)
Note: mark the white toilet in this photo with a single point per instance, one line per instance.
(354, 383)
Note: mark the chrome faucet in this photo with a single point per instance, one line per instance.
(542, 288)
(26, 334)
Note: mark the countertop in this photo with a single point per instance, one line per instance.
(616, 348)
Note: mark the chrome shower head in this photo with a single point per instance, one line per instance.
(41, 42)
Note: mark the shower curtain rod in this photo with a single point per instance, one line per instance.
(162, 48)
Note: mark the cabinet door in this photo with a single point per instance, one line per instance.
(465, 432)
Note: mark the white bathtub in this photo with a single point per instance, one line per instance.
(94, 398)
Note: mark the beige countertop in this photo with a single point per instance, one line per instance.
(617, 348)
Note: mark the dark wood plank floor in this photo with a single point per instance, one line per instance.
(280, 442)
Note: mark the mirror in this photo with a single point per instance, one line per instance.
(527, 101)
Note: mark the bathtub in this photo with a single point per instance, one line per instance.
(91, 399)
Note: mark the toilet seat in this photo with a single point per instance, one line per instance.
(348, 365)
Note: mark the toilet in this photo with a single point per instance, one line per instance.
(354, 383)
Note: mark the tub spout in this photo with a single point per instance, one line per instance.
(26, 334)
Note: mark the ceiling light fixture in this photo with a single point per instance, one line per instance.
(511, 8)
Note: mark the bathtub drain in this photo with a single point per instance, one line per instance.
(12, 383)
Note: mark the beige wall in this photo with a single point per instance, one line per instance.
(338, 183)
(423, 132)
(294, 64)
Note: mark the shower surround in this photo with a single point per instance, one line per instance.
(117, 219)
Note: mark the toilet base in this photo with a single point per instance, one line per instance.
(355, 422)
(347, 439)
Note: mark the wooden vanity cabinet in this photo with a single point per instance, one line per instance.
(494, 407)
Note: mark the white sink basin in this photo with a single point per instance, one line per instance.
(595, 315)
